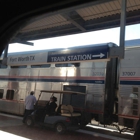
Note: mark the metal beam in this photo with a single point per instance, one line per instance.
(65, 30)
(26, 43)
(4, 60)
(74, 22)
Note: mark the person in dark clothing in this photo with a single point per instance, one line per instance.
(51, 106)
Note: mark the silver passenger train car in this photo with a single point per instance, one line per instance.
(111, 95)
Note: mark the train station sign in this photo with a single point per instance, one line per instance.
(79, 54)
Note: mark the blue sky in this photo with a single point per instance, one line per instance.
(95, 37)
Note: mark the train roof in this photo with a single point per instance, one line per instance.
(109, 44)
(132, 43)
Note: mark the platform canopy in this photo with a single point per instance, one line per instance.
(96, 15)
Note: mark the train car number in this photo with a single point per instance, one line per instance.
(129, 73)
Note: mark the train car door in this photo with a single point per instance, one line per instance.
(22, 94)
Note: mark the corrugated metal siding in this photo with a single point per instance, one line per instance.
(133, 5)
(87, 13)
(99, 11)
(45, 23)
(137, 2)
(107, 9)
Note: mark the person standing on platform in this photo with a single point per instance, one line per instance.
(30, 101)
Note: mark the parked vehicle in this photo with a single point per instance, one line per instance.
(64, 118)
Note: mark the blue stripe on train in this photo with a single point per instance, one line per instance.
(130, 82)
(54, 80)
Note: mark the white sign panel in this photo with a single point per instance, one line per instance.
(26, 59)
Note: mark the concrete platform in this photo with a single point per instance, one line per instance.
(12, 128)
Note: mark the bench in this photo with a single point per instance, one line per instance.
(67, 110)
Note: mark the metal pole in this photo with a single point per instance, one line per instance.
(4, 61)
(122, 26)
(6, 51)
(121, 49)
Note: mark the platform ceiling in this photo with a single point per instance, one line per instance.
(83, 18)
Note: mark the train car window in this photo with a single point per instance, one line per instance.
(134, 93)
(10, 94)
(1, 93)
(75, 88)
(45, 66)
(135, 89)
(68, 65)
(60, 65)
(76, 64)
(22, 66)
(41, 66)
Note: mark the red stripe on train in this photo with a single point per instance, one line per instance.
(12, 100)
(127, 116)
(129, 78)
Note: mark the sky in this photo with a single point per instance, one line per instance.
(95, 37)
